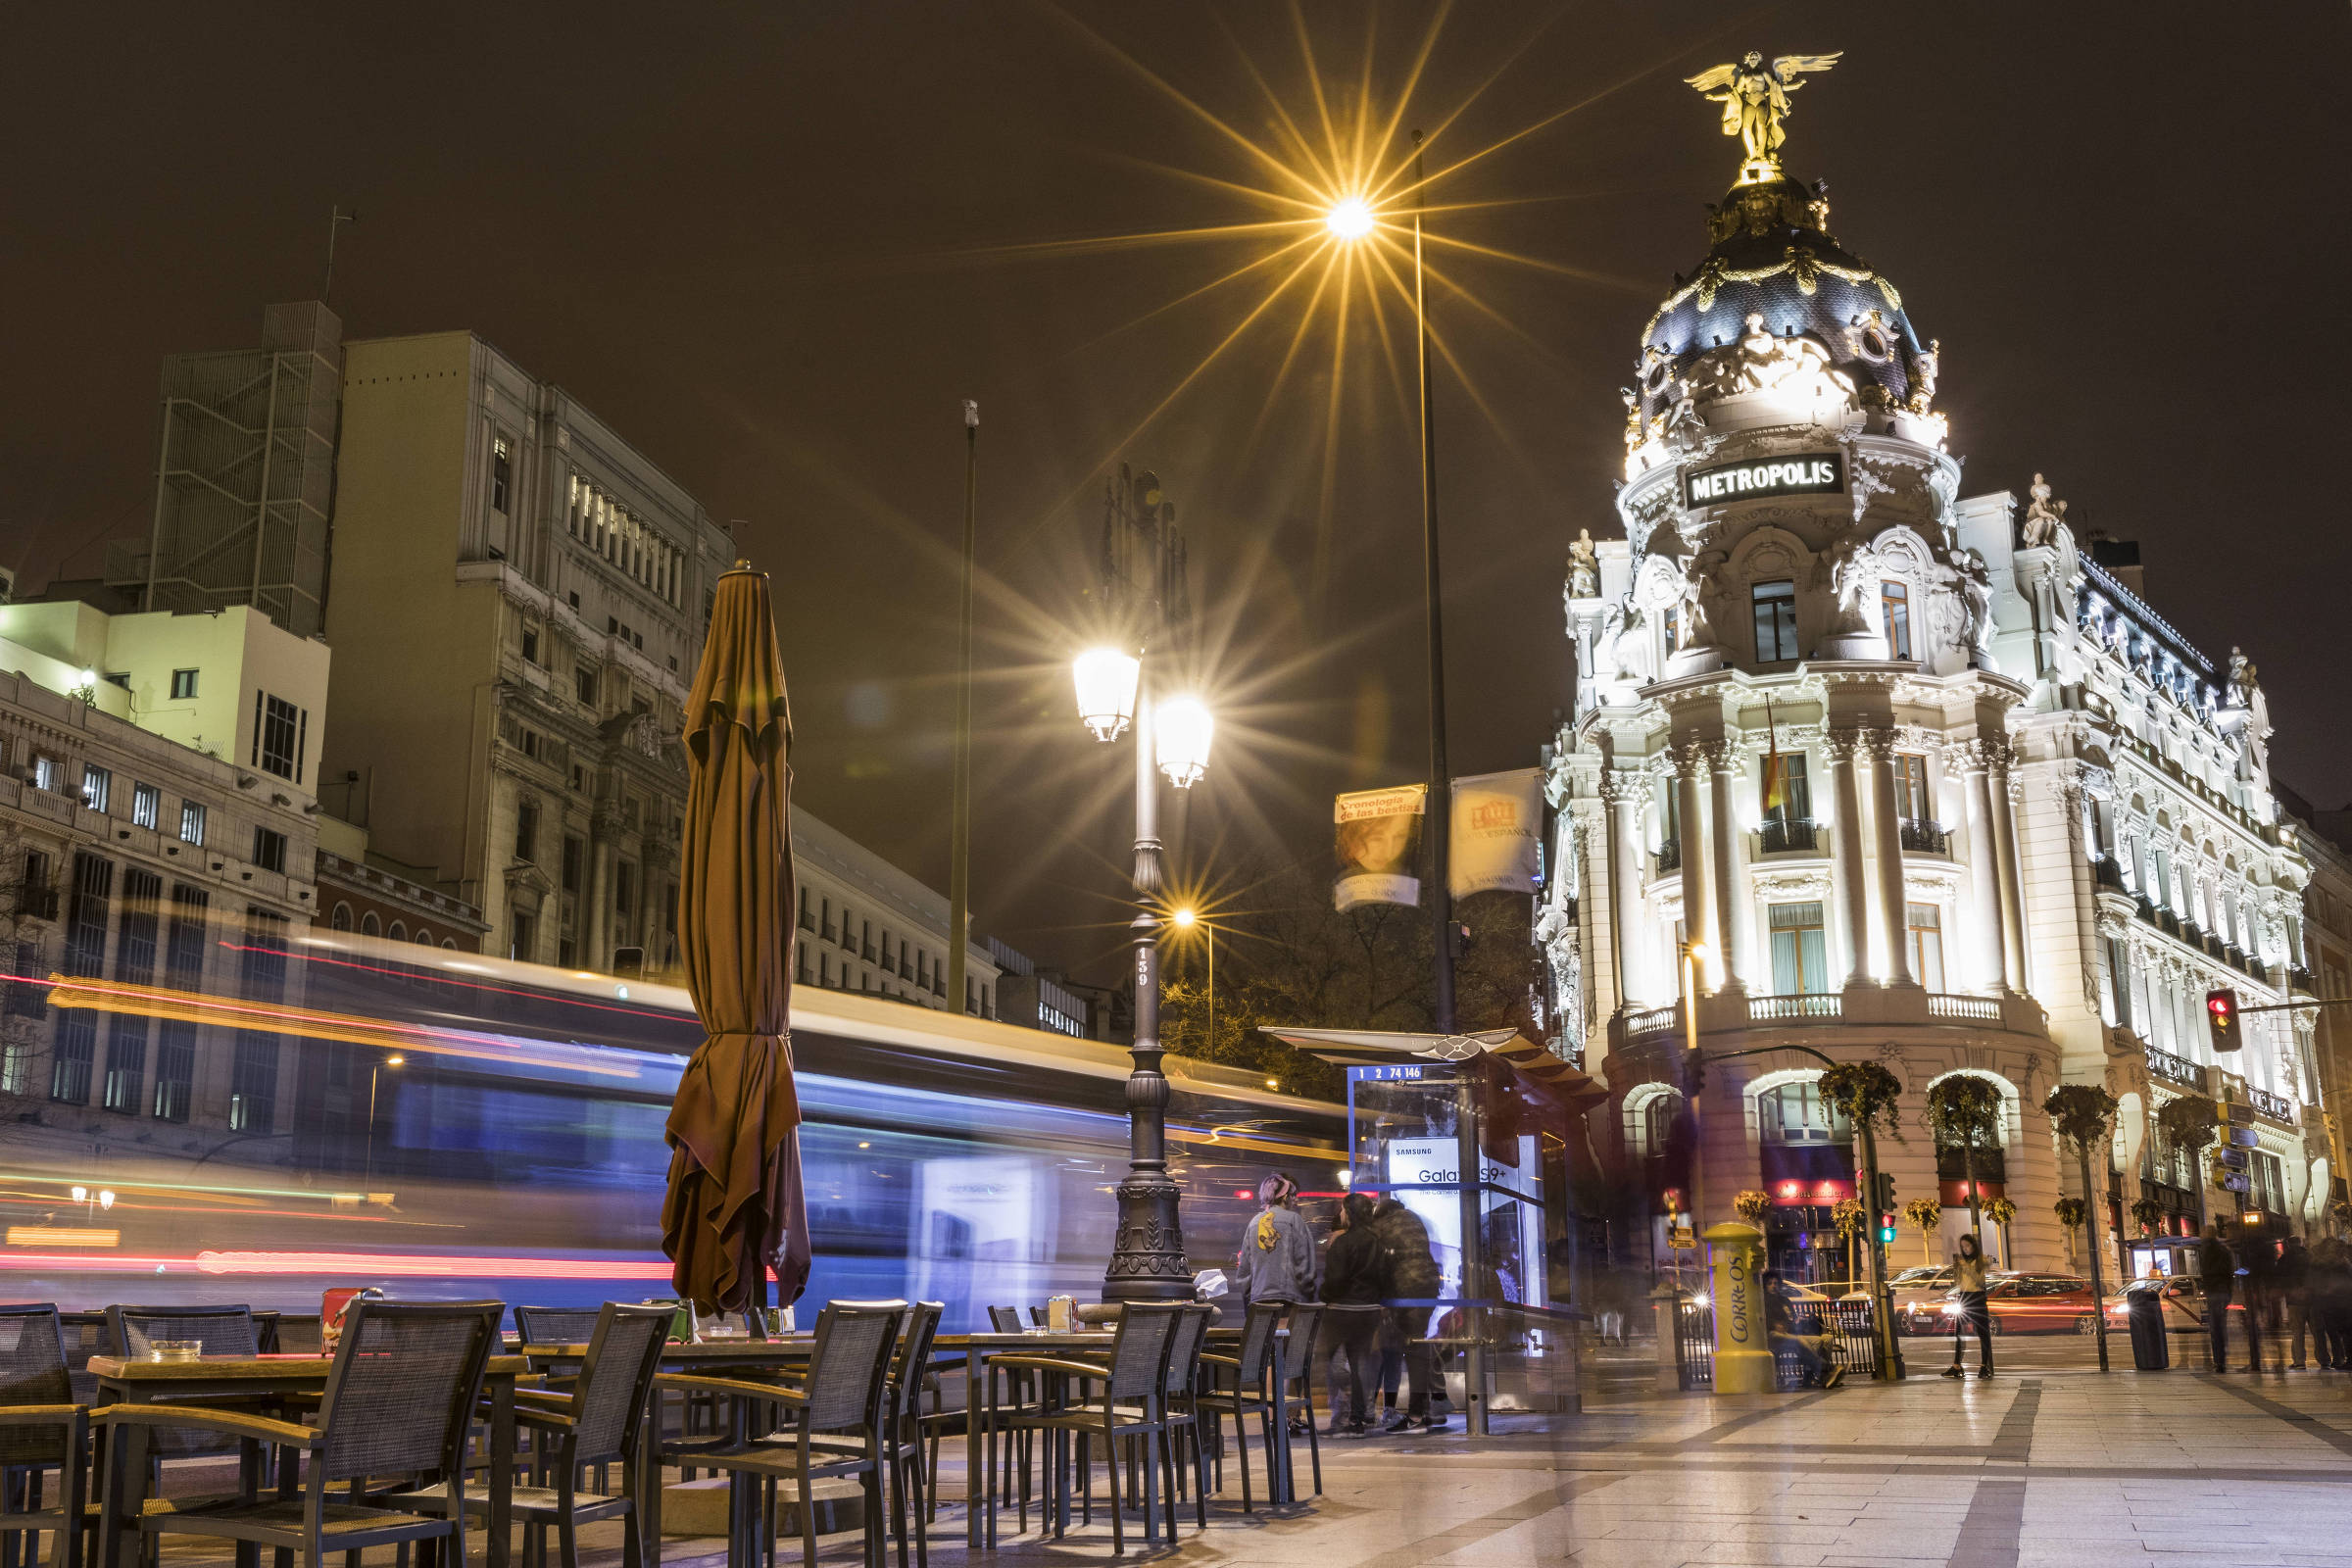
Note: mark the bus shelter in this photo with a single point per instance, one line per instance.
(1422, 1111)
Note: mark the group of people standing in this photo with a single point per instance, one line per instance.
(1376, 1278)
(2300, 1295)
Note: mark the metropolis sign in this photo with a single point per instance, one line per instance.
(1805, 475)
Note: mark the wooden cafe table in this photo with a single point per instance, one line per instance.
(123, 1380)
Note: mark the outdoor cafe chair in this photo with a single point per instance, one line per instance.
(1246, 1395)
(598, 1422)
(1296, 1355)
(399, 1400)
(42, 1428)
(1119, 1402)
(911, 1487)
(845, 1394)
(1179, 1411)
(1020, 1393)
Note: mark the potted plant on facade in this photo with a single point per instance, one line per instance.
(1926, 1216)
(2146, 1213)
(1752, 1207)
(1966, 1112)
(1850, 1217)
(2001, 1212)
(2070, 1213)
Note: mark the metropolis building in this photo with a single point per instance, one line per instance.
(1922, 778)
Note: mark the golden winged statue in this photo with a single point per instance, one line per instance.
(1755, 98)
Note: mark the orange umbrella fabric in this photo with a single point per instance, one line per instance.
(734, 1209)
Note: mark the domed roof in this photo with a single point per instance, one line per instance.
(1773, 257)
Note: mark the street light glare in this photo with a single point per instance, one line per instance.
(1184, 728)
(1349, 220)
(1184, 917)
(394, 1060)
(1106, 678)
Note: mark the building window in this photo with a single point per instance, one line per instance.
(1787, 794)
(1800, 960)
(134, 964)
(1911, 788)
(269, 849)
(1796, 1113)
(624, 887)
(1649, 1123)
(1924, 923)
(1776, 620)
(584, 684)
(530, 645)
(2266, 1182)
(370, 925)
(341, 919)
(77, 1041)
(1895, 608)
(191, 822)
(97, 786)
(572, 849)
(525, 947)
(146, 805)
(279, 730)
(183, 685)
(502, 473)
(526, 833)
(49, 774)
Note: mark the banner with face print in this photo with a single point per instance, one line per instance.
(1378, 840)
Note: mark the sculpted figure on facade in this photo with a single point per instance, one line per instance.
(1584, 570)
(1755, 97)
(2045, 520)
(2243, 677)
(1848, 570)
(1924, 367)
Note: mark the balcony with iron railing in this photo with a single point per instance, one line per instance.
(2277, 1107)
(1869, 1006)
(1792, 835)
(1920, 836)
(1668, 856)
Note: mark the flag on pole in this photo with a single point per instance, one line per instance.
(1776, 769)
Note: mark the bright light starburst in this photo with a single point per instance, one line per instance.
(1351, 219)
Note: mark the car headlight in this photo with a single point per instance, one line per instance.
(1952, 1309)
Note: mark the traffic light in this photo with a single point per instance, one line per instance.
(1882, 1195)
(1886, 1227)
(2221, 1020)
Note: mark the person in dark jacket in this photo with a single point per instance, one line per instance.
(2258, 1285)
(1353, 1268)
(2293, 1282)
(2217, 1272)
(1410, 1274)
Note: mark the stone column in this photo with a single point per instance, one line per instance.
(1879, 745)
(1984, 876)
(1733, 905)
(2001, 789)
(1698, 898)
(603, 831)
(1849, 889)
(1627, 793)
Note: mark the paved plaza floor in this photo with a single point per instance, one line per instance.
(2049, 1465)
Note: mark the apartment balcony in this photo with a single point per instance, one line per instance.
(1667, 858)
(1788, 836)
(2273, 1107)
(1921, 836)
(1822, 1015)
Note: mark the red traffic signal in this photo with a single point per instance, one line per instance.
(2221, 1020)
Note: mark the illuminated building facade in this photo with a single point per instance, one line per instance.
(1924, 781)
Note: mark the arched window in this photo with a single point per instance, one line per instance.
(340, 920)
(1650, 1121)
(1796, 1113)
(370, 925)
(423, 938)
(399, 931)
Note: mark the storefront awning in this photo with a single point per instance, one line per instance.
(1363, 1047)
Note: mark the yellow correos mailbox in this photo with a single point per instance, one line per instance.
(1742, 1349)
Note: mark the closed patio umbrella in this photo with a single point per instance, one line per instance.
(734, 1209)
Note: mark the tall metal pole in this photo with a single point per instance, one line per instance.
(959, 830)
(1441, 781)
(1147, 1261)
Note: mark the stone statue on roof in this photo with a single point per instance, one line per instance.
(1755, 99)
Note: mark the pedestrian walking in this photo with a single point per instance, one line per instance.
(1409, 1274)
(1277, 1258)
(1352, 1272)
(2329, 1279)
(2257, 1259)
(2217, 1272)
(2294, 1293)
(1968, 1289)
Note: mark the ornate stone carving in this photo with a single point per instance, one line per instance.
(1584, 571)
(2044, 521)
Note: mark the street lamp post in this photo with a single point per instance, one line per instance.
(393, 1060)
(1349, 220)
(1147, 1260)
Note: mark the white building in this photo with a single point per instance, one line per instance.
(1925, 783)
(157, 828)
(868, 927)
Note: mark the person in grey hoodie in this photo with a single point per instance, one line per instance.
(1277, 1261)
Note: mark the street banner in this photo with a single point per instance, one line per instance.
(1378, 839)
(1498, 832)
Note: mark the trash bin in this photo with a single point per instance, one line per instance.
(2151, 1351)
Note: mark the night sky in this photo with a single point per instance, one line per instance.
(775, 245)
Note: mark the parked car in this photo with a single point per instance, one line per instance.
(2182, 1296)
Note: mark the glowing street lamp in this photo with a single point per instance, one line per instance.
(1106, 681)
(1183, 728)
(1349, 220)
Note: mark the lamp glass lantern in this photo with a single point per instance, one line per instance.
(1106, 679)
(1183, 728)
